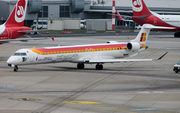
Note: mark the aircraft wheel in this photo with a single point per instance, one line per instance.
(15, 68)
(177, 34)
(80, 65)
(99, 66)
(176, 71)
(35, 33)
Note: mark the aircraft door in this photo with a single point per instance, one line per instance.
(89, 54)
(32, 56)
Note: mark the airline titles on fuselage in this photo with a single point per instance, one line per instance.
(44, 59)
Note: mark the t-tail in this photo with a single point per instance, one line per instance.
(18, 14)
(139, 43)
(143, 34)
(140, 9)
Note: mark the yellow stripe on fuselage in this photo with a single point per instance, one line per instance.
(35, 51)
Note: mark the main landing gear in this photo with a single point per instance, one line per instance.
(16, 68)
(98, 66)
(80, 65)
(177, 34)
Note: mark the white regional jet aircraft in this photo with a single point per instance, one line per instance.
(99, 54)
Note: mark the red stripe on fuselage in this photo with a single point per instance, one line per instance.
(79, 48)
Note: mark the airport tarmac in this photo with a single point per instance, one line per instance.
(128, 87)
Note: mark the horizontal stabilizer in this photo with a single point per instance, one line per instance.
(23, 39)
(30, 31)
(150, 26)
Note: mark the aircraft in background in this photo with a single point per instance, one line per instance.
(142, 15)
(14, 26)
(110, 52)
(122, 19)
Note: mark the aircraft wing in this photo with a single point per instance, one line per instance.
(158, 27)
(30, 31)
(123, 60)
(120, 17)
(24, 39)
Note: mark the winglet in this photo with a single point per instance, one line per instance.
(161, 56)
(53, 37)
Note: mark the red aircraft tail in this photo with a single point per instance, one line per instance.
(17, 16)
(140, 8)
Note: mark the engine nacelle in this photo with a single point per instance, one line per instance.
(134, 46)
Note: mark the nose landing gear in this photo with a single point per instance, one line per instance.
(16, 68)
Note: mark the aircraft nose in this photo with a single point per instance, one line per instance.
(12, 60)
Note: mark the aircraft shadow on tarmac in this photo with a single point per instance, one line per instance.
(112, 90)
(60, 68)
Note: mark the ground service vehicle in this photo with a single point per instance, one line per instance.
(177, 67)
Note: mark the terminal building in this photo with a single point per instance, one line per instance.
(85, 9)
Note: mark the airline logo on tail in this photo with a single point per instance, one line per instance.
(143, 37)
(137, 5)
(20, 11)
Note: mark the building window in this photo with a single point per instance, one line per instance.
(64, 11)
(44, 12)
(119, 22)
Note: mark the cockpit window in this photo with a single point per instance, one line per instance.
(19, 54)
(23, 54)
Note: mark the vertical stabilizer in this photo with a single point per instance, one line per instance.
(18, 14)
(140, 8)
(143, 34)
